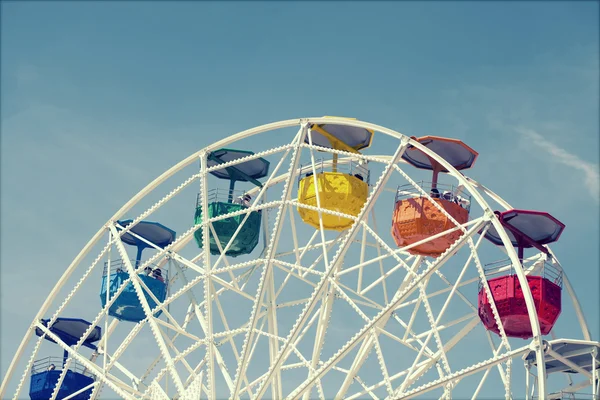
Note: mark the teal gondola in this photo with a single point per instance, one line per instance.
(221, 202)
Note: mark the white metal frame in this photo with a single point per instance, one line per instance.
(201, 378)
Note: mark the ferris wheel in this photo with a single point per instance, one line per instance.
(313, 258)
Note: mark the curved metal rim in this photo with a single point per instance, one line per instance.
(469, 184)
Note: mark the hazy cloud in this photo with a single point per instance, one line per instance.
(591, 175)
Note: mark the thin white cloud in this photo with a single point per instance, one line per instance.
(591, 175)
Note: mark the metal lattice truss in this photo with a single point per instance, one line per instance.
(312, 313)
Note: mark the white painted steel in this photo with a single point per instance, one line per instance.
(201, 378)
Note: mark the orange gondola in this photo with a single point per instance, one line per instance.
(415, 217)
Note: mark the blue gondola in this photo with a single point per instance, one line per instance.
(127, 306)
(46, 372)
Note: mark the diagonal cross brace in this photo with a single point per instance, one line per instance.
(344, 350)
(145, 306)
(337, 260)
(235, 171)
(262, 287)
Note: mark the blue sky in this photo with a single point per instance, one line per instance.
(98, 98)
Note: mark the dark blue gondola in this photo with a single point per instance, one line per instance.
(46, 372)
(127, 306)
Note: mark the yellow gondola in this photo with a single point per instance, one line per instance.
(342, 187)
